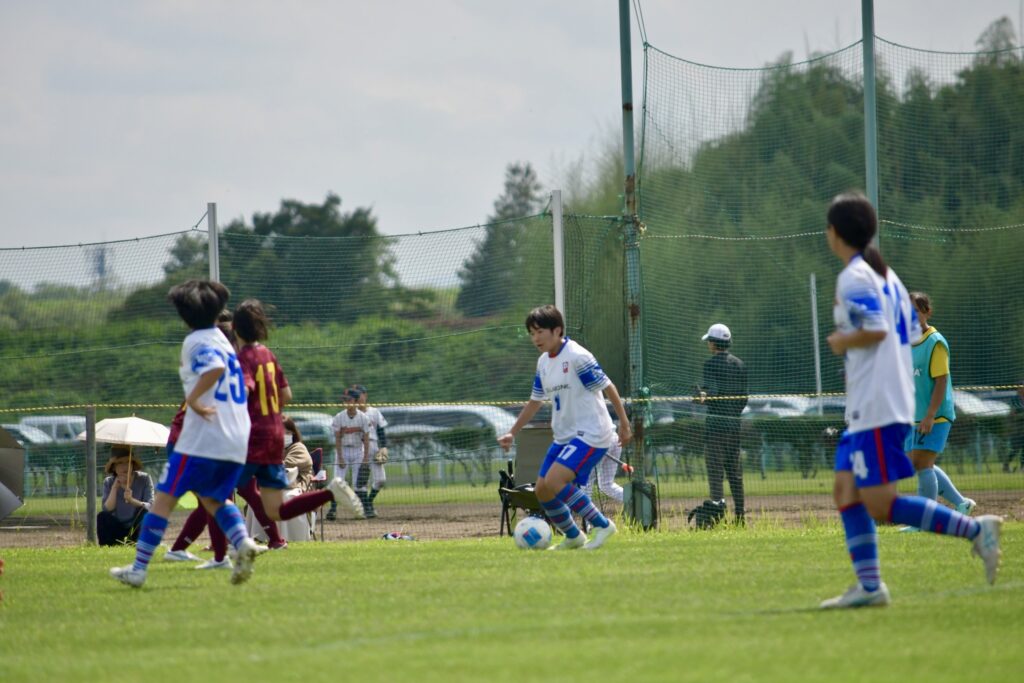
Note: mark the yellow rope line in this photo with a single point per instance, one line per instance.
(419, 404)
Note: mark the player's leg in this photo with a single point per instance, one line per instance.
(713, 462)
(884, 448)
(378, 478)
(362, 486)
(951, 494)
(551, 478)
(263, 503)
(606, 471)
(733, 466)
(574, 461)
(193, 527)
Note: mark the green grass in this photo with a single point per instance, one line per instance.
(730, 605)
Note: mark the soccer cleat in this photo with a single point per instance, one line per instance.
(908, 529)
(856, 596)
(282, 545)
(966, 507)
(986, 544)
(214, 564)
(244, 558)
(601, 534)
(343, 493)
(181, 556)
(129, 575)
(370, 511)
(571, 543)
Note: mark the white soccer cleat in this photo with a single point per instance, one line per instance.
(214, 564)
(181, 556)
(571, 543)
(986, 544)
(129, 575)
(856, 596)
(966, 507)
(244, 558)
(601, 534)
(343, 493)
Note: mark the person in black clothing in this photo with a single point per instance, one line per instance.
(724, 390)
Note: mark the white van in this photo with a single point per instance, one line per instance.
(60, 428)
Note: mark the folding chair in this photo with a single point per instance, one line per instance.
(531, 447)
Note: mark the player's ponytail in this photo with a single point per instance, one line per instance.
(855, 222)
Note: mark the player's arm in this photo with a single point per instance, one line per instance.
(625, 430)
(285, 396)
(525, 415)
(840, 342)
(207, 381)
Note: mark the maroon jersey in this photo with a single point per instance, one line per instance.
(176, 424)
(264, 380)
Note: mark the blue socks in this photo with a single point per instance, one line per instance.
(580, 503)
(150, 534)
(946, 488)
(927, 484)
(927, 515)
(862, 542)
(229, 519)
(561, 516)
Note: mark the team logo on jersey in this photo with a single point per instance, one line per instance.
(565, 367)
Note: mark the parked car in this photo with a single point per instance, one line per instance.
(60, 428)
(443, 417)
(27, 436)
(315, 427)
(967, 403)
(776, 406)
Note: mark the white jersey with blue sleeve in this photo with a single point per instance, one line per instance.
(574, 382)
(879, 378)
(225, 434)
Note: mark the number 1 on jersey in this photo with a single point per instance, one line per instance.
(262, 380)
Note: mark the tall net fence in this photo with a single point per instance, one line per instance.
(736, 169)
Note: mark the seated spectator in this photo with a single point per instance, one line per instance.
(125, 501)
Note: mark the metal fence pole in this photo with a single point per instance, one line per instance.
(214, 241)
(90, 474)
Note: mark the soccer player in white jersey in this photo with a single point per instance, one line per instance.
(570, 377)
(372, 473)
(876, 325)
(209, 454)
(606, 471)
(352, 440)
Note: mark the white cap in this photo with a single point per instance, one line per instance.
(718, 333)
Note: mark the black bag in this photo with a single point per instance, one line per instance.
(707, 514)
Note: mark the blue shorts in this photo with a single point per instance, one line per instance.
(875, 456)
(267, 476)
(934, 441)
(203, 476)
(577, 455)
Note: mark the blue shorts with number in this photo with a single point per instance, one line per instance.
(934, 441)
(577, 455)
(203, 476)
(875, 456)
(267, 476)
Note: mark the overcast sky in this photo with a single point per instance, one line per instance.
(123, 119)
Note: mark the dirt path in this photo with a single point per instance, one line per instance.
(476, 520)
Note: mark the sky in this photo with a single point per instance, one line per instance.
(123, 119)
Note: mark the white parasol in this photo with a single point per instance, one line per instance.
(130, 431)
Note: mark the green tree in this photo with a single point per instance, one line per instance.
(494, 274)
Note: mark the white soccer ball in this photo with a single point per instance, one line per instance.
(532, 533)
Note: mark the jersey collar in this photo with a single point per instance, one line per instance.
(565, 340)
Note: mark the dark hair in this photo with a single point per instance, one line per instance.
(360, 388)
(545, 318)
(224, 324)
(352, 394)
(921, 301)
(199, 302)
(251, 321)
(290, 426)
(855, 221)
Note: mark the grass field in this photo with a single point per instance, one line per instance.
(730, 605)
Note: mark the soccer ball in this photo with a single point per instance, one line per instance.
(532, 533)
